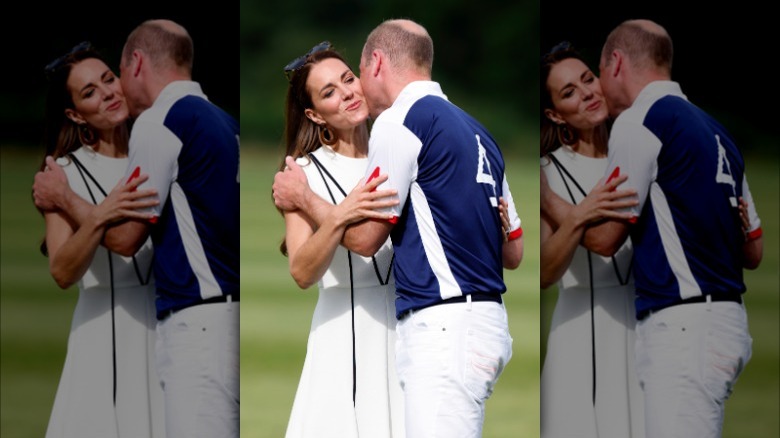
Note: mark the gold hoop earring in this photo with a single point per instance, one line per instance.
(566, 135)
(86, 135)
(326, 137)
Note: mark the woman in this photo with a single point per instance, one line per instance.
(348, 386)
(589, 387)
(109, 386)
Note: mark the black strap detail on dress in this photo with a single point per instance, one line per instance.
(82, 170)
(561, 171)
(322, 169)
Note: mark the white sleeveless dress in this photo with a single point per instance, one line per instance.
(110, 343)
(323, 406)
(583, 334)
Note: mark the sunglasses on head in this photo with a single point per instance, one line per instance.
(300, 61)
(560, 47)
(59, 62)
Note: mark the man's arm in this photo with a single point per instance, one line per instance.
(51, 191)
(291, 191)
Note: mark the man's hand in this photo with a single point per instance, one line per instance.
(50, 186)
(290, 186)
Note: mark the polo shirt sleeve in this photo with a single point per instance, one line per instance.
(633, 151)
(393, 150)
(154, 150)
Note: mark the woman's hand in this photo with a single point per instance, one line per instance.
(744, 216)
(503, 212)
(125, 202)
(364, 202)
(604, 202)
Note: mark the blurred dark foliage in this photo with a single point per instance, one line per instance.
(34, 34)
(720, 55)
(485, 55)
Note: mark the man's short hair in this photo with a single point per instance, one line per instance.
(403, 48)
(164, 47)
(644, 48)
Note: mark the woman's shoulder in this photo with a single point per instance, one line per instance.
(82, 153)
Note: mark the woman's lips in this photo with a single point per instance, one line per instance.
(114, 106)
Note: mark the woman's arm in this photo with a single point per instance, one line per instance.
(71, 243)
(70, 252)
(557, 249)
(310, 252)
(310, 248)
(558, 244)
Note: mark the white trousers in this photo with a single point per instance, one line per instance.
(688, 359)
(198, 365)
(449, 357)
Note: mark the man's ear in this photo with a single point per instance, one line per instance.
(74, 116)
(377, 60)
(617, 60)
(137, 61)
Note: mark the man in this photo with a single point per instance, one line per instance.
(189, 149)
(690, 244)
(447, 235)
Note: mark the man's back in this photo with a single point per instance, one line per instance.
(688, 237)
(448, 238)
(190, 149)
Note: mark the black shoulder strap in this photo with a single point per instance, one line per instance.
(561, 171)
(84, 174)
(82, 171)
(322, 169)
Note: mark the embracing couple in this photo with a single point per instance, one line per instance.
(406, 233)
(646, 227)
(146, 222)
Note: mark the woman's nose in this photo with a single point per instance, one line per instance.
(587, 93)
(107, 91)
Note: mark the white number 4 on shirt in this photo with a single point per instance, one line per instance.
(723, 175)
(484, 175)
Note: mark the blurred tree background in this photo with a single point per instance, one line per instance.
(485, 56)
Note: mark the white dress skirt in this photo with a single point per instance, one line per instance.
(347, 392)
(109, 386)
(589, 387)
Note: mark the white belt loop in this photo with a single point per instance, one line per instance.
(709, 302)
(468, 302)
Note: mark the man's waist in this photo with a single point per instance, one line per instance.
(719, 297)
(472, 297)
(165, 313)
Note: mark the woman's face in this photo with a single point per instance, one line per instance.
(97, 95)
(336, 95)
(576, 95)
